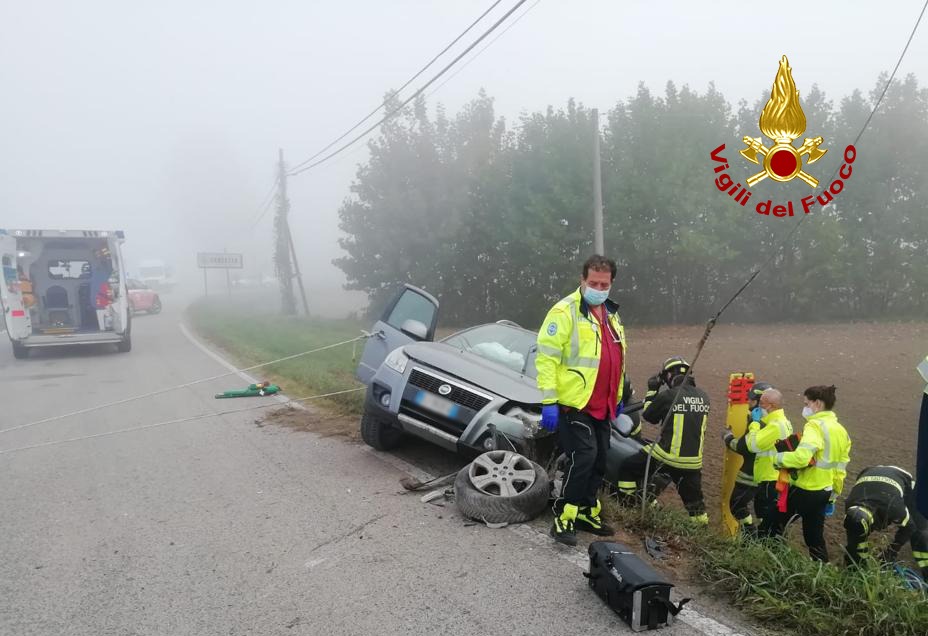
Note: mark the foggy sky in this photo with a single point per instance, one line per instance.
(164, 118)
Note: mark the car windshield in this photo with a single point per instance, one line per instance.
(511, 347)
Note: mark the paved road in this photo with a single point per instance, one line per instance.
(219, 526)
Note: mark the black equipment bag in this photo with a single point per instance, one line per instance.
(631, 587)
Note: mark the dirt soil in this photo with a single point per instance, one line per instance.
(871, 364)
(314, 420)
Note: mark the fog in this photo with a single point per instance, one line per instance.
(164, 119)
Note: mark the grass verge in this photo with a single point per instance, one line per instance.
(256, 338)
(777, 584)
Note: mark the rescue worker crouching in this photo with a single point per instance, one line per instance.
(769, 425)
(677, 456)
(820, 461)
(580, 366)
(885, 495)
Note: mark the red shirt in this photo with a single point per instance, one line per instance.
(603, 402)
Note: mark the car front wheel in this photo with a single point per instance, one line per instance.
(502, 487)
(377, 433)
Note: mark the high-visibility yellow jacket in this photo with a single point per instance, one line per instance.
(825, 440)
(761, 440)
(569, 347)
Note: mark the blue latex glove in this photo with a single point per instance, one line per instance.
(549, 417)
(619, 409)
(830, 509)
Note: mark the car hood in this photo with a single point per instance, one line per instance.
(478, 371)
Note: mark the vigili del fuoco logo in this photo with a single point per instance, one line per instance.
(782, 121)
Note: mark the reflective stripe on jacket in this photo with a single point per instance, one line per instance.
(569, 347)
(761, 440)
(681, 442)
(826, 441)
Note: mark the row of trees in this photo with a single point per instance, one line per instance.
(496, 219)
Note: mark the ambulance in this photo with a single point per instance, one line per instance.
(64, 287)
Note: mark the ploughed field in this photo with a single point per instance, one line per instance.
(871, 364)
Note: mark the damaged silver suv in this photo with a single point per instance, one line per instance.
(471, 392)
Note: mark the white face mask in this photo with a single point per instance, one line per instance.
(807, 412)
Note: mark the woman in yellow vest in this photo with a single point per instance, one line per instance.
(820, 462)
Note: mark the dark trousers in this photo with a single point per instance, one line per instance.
(765, 508)
(585, 441)
(857, 534)
(740, 502)
(808, 505)
(688, 482)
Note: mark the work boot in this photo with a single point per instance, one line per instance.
(563, 529)
(588, 519)
(627, 495)
(701, 519)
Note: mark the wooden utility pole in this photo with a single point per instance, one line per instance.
(282, 250)
(599, 244)
(286, 253)
(296, 269)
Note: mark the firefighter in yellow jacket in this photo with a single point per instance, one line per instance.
(820, 461)
(581, 368)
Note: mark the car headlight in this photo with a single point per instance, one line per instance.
(397, 360)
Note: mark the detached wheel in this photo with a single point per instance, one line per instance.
(20, 352)
(379, 434)
(501, 487)
(155, 306)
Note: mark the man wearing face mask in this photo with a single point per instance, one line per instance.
(812, 493)
(581, 369)
(768, 426)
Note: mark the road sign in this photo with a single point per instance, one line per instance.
(219, 260)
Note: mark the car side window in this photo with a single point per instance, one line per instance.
(411, 306)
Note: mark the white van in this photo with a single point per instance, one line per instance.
(64, 287)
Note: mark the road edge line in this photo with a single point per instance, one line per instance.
(216, 357)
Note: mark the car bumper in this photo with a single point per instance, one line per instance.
(469, 429)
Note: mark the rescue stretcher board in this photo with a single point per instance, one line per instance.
(739, 384)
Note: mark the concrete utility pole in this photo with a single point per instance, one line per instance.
(599, 241)
(282, 242)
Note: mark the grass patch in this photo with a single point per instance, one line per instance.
(781, 586)
(253, 338)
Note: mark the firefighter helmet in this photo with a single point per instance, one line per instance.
(673, 367)
(859, 519)
(757, 390)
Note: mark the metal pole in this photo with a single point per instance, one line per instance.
(228, 276)
(205, 288)
(599, 241)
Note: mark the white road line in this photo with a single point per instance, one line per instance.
(698, 621)
(279, 397)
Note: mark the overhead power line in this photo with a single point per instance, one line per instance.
(266, 205)
(401, 88)
(481, 51)
(307, 166)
